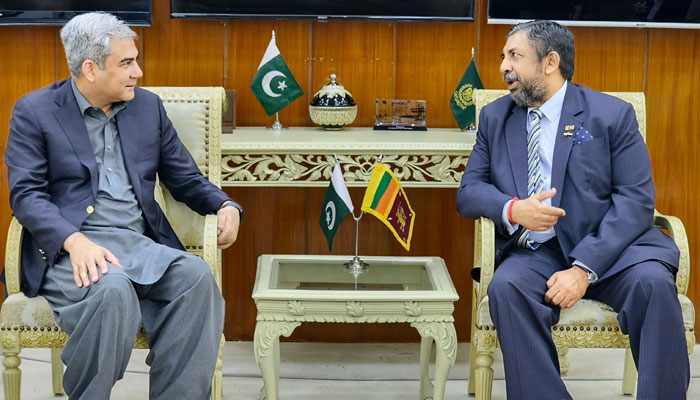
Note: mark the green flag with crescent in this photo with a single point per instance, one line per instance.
(462, 102)
(273, 84)
(336, 206)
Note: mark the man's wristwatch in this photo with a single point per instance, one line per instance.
(590, 276)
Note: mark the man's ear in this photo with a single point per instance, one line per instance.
(551, 62)
(88, 69)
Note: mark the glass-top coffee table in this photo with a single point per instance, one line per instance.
(291, 289)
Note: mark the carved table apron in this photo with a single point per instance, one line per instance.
(255, 156)
(291, 289)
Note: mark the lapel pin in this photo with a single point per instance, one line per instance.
(568, 130)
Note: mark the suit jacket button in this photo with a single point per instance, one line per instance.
(43, 258)
(41, 251)
(90, 209)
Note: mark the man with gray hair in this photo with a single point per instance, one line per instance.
(82, 158)
(566, 177)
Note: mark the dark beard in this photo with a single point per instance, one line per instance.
(532, 92)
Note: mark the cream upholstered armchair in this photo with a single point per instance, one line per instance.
(589, 324)
(29, 322)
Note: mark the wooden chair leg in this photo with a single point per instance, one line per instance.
(472, 368)
(484, 374)
(217, 384)
(57, 371)
(11, 375)
(563, 360)
(629, 378)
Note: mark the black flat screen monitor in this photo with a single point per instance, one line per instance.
(58, 12)
(391, 10)
(634, 13)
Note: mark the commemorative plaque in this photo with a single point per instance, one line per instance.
(393, 114)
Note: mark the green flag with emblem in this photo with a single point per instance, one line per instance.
(273, 84)
(462, 102)
(336, 206)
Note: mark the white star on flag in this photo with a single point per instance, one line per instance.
(282, 85)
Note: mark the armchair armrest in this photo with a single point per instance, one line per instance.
(484, 247)
(211, 253)
(13, 255)
(676, 230)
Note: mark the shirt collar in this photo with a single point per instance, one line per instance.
(551, 109)
(84, 104)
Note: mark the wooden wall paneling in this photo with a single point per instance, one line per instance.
(274, 222)
(673, 122)
(62, 71)
(492, 38)
(29, 64)
(182, 52)
(361, 54)
(430, 60)
(618, 66)
(247, 43)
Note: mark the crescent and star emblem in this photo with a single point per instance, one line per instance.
(267, 80)
(330, 215)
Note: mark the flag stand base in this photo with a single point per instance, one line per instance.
(356, 266)
(277, 125)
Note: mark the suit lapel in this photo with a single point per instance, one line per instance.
(516, 142)
(71, 121)
(129, 137)
(570, 115)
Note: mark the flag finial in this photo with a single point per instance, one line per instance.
(273, 34)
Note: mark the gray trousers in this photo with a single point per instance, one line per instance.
(182, 314)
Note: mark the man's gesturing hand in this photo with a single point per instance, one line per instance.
(228, 219)
(86, 256)
(534, 215)
(566, 287)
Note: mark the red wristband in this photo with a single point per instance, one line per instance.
(510, 210)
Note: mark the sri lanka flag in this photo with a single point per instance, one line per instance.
(386, 200)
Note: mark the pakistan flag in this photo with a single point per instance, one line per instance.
(336, 206)
(274, 85)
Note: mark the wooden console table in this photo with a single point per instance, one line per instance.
(255, 156)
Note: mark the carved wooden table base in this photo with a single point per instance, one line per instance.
(282, 307)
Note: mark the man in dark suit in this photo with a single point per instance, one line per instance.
(82, 159)
(566, 177)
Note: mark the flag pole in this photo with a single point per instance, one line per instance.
(277, 125)
(356, 266)
(471, 127)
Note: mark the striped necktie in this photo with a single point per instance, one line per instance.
(534, 172)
